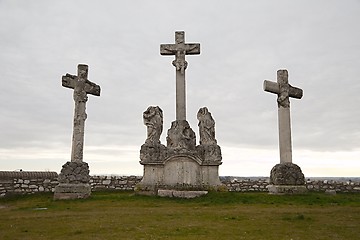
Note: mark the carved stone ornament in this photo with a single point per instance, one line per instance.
(206, 127)
(155, 153)
(209, 154)
(153, 119)
(181, 136)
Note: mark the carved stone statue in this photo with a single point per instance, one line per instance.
(206, 127)
(181, 136)
(153, 119)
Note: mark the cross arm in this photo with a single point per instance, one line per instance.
(193, 48)
(167, 49)
(92, 88)
(273, 87)
(171, 49)
(69, 81)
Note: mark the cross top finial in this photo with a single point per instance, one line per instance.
(179, 37)
(83, 70)
(180, 49)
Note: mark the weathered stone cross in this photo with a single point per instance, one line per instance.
(81, 87)
(284, 90)
(180, 49)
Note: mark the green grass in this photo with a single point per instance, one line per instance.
(218, 215)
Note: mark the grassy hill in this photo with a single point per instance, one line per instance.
(220, 215)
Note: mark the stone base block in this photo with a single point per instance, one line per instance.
(287, 189)
(72, 191)
(148, 190)
(180, 194)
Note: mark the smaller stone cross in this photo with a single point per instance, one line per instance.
(284, 90)
(180, 49)
(82, 86)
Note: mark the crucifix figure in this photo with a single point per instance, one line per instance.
(180, 49)
(82, 86)
(284, 90)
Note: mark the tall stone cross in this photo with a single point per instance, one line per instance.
(180, 49)
(284, 90)
(82, 86)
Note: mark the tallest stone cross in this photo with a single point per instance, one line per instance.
(180, 49)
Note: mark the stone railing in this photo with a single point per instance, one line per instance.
(32, 182)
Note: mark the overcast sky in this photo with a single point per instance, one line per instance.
(242, 44)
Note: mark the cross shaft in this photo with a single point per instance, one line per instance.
(82, 86)
(284, 90)
(180, 49)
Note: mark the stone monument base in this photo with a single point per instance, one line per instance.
(287, 178)
(66, 191)
(287, 189)
(73, 181)
(179, 176)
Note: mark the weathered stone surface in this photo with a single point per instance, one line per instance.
(182, 170)
(181, 136)
(74, 172)
(284, 90)
(287, 189)
(235, 184)
(206, 127)
(82, 86)
(66, 191)
(180, 49)
(26, 174)
(286, 174)
(74, 181)
(152, 153)
(181, 163)
(153, 119)
(74, 175)
(180, 194)
(210, 154)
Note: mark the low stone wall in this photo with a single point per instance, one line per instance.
(245, 184)
(338, 186)
(114, 182)
(27, 182)
(32, 182)
(240, 184)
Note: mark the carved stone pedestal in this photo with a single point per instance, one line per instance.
(181, 169)
(73, 181)
(287, 178)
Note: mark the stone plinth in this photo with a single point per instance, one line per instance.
(286, 178)
(73, 181)
(66, 191)
(181, 165)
